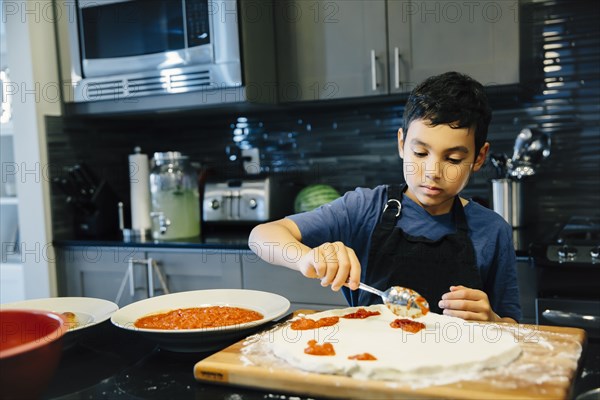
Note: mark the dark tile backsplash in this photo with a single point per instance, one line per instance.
(349, 144)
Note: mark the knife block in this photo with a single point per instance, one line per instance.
(102, 220)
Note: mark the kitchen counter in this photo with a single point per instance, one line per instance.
(232, 238)
(237, 239)
(110, 363)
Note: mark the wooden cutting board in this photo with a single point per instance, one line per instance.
(230, 366)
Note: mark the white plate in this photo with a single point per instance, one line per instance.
(270, 305)
(88, 310)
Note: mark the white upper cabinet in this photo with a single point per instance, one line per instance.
(356, 48)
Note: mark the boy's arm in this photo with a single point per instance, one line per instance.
(273, 241)
(279, 242)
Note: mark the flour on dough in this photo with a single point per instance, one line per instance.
(447, 345)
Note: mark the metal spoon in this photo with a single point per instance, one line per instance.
(401, 301)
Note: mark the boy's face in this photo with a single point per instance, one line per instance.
(438, 161)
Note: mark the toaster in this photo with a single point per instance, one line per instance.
(247, 200)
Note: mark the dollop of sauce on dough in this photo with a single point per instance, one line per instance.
(198, 318)
(315, 349)
(303, 324)
(363, 357)
(407, 325)
(361, 313)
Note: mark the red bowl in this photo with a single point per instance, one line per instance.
(30, 349)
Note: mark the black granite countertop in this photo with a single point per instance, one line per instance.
(111, 363)
(235, 238)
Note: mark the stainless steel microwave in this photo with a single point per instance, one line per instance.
(122, 50)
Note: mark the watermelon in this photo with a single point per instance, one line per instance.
(314, 196)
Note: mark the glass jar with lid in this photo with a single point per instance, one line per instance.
(174, 196)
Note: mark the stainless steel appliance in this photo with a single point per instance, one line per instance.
(508, 200)
(568, 281)
(122, 50)
(247, 200)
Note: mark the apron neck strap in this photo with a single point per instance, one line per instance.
(393, 208)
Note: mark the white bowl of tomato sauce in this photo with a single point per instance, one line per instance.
(201, 320)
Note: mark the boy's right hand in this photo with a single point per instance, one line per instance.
(333, 263)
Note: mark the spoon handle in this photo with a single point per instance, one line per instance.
(370, 289)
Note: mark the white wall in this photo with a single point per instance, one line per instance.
(32, 60)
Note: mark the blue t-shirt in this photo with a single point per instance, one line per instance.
(352, 218)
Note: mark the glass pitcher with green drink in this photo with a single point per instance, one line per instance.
(175, 198)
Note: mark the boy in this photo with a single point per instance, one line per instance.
(422, 235)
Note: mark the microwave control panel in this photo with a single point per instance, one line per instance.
(198, 27)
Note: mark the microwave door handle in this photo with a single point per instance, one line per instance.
(572, 319)
(238, 201)
(228, 204)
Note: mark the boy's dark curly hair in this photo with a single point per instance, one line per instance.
(450, 98)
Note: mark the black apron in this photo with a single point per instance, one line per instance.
(428, 266)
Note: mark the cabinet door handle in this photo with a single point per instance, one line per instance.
(150, 276)
(396, 68)
(374, 70)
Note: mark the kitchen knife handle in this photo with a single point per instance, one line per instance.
(88, 176)
(374, 71)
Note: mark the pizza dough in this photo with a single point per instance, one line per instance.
(447, 346)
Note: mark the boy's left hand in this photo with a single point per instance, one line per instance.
(467, 303)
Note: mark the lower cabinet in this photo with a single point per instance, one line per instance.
(97, 271)
(105, 272)
(302, 292)
(195, 270)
